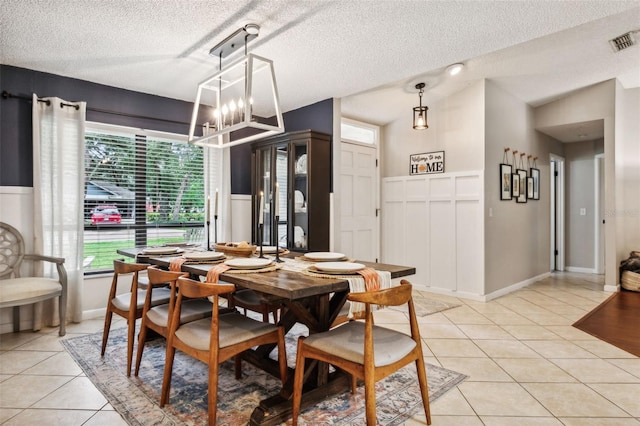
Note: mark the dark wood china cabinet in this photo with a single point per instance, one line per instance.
(297, 166)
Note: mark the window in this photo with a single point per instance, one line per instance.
(140, 190)
(355, 131)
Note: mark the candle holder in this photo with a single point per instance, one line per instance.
(277, 259)
(260, 238)
(215, 229)
(208, 228)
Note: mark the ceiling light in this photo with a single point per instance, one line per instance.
(454, 69)
(420, 112)
(240, 102)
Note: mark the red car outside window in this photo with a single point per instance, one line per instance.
(105, 214)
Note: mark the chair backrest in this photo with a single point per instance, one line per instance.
(196, 289)
(11, 251)
(159, 277)
(122, 268)
(393, 296)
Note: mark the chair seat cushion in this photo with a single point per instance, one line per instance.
(20, 291)
(192, 310)
(159, 296)
(234, 328)
(347, 342)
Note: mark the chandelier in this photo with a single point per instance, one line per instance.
(240, 101)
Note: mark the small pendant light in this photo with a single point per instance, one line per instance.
(420, 112)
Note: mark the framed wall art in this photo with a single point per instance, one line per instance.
(535, 175)
(505, 181)
(529, 188)
(521, 176)
(515, 185)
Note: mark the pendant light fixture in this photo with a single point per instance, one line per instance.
(420, 112)
(241, 100)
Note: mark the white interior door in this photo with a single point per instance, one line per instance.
(359, 236)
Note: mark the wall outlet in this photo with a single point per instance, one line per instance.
(583, 211)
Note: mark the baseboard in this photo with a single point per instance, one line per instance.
(580, 270)
(612, 288)
(516, 286)
(485, 297)
(93, 313)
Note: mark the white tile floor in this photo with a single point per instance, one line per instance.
(527, 365)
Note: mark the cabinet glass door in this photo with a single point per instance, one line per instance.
(265, 188)
(300, 222)
(281, 179)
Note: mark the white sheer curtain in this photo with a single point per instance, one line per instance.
(217, 176)
(58, 190)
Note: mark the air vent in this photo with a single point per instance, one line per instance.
(622, 42)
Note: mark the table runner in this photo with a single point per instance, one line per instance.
(356, 282)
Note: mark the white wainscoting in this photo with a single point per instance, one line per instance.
(16, 209)
(240, 217)
(436, 223)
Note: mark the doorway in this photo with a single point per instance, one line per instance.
(359, 233)
(600, 214)
(556, 192)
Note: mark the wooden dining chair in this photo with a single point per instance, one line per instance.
(250, 300)
(216, 339)
(129, 305)
(156, 318)
(366, 351)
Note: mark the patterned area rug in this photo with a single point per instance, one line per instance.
(136, 398)
(425, 304)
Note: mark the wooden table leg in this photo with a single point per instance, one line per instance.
(318, 314)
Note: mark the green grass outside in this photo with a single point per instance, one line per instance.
(105, 252)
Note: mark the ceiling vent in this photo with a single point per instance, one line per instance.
(623, 41)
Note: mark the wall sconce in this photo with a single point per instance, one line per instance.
(420, 112)
(242, 97)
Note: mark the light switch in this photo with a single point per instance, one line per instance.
(583, 211)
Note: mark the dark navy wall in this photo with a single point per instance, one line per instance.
(318, 116)
(16, 166)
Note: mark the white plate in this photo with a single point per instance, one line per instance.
(162, 250)
(324, 256)
(248, 263)
(270, 249)
(301, 164)
(298, 237)
(205, 255)
(344, 267)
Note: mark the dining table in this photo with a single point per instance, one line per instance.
(315, 301)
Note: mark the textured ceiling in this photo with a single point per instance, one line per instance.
(370, 53)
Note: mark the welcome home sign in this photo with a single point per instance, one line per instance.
(429, 162)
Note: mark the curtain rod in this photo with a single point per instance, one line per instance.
(7, 95)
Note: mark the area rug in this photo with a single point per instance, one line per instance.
(615, 321)
(136, 398)
(425, 304)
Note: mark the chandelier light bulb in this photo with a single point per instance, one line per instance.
(232, 106)
(240, 103)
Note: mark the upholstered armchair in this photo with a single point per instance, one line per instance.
(16, 291)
